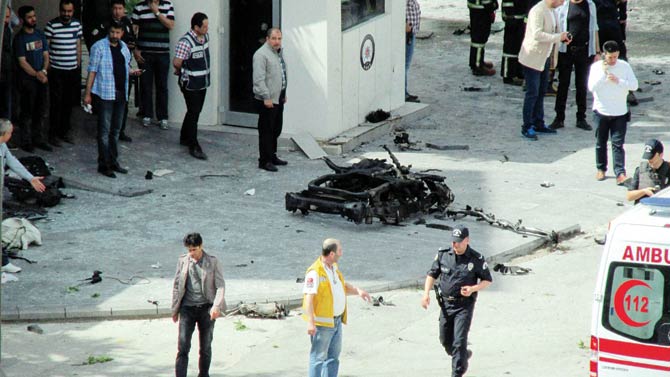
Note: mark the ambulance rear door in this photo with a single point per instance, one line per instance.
(633, 331)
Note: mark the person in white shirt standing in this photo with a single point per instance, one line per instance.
(610, 80)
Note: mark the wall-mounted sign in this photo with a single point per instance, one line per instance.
(367, 52)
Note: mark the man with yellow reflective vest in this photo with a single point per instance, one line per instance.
(325, 309)
(482, 15)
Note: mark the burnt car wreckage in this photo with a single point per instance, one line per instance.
(372, 188)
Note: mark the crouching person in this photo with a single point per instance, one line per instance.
(6, 129)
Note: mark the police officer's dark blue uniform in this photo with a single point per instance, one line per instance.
(460, 276)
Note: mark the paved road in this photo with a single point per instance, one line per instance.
(531, 325)
(500, 172)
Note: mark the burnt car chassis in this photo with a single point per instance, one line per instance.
(372, 188)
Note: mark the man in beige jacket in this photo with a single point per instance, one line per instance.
(537, 55)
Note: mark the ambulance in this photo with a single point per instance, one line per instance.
(630, 326)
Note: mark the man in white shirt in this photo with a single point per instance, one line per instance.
(610, 80)
(325, 309)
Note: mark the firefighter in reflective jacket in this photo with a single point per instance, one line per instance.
(652, 175)
(514, 15)
(482, 15)
(462, 272)
(191, 64)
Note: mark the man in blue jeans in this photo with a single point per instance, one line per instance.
(107, 84)
(610, 80)
(537, 55)
(412, 24)
(325, 309)
(197, 298)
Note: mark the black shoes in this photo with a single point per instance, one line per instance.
(545, 130)
(512, 81)
(197, 152)
(53, 141)
(44, 146)
(583, 124)
(106, 172)
(411, 98)
(278, 161)
(269, 166)
(483, 71)
(119, 169)
(67, 139)
(556, 124)
(126, 138)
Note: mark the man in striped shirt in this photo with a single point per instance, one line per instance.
(152, 22)
(64, 35)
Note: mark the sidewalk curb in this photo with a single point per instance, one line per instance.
(15, 315)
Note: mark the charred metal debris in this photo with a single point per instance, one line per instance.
(392, 193)
(371, 189)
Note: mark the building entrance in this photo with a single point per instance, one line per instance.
(248, 22)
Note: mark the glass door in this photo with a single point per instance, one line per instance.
(248, 22)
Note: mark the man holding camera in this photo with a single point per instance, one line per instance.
(652, 175)
(610, 80)
(537, 56)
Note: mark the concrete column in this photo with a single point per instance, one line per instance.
(313, 52)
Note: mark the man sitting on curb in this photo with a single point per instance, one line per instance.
(652, 175)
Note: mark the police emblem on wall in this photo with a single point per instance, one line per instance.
(367, 52)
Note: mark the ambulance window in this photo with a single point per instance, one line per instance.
(635, 301)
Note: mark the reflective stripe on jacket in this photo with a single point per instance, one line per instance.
(195, 69)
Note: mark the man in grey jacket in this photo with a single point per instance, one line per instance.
(269, 78)
(197, 297)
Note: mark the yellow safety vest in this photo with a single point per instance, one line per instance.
(323, 300)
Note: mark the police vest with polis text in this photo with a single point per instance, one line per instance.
(195, 69)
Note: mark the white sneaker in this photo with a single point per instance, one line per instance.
(164, 124)
(146, 122)
(11, 268)
(8, 277)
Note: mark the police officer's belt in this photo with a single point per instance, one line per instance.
(457, 299)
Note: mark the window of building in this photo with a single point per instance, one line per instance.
(355, 12)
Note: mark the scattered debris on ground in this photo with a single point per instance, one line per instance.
(511, 270)
(35, 328)
(377, 116)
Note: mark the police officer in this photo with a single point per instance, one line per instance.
(482, 15)
(191, 63)
(462, 272)
(514, 14)
(652, 175)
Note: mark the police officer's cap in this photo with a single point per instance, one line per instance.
(459, 233)
(651, 147)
